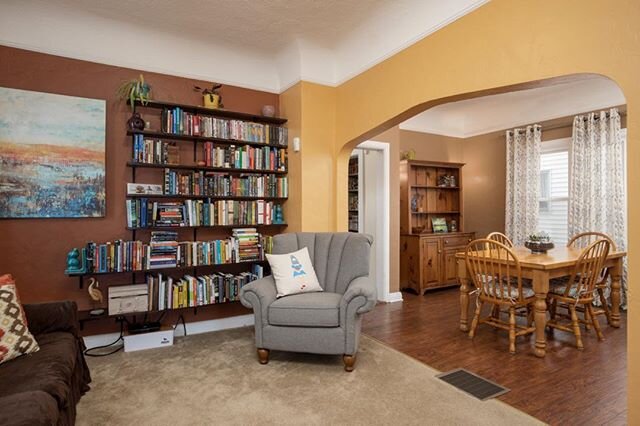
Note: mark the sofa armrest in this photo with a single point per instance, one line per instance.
(29, 408)
(54, 316)
(259, 294)
(362, 291)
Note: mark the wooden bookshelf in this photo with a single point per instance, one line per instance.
(430, 190)
(354, 192)
(197, 141)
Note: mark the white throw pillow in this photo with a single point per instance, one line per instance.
(293, 273)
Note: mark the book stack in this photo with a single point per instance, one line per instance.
(248, 243)
(154, 151)
(162, 250)
(142, 213)
(166, 292)
(211, 184)
(245, 157)
(177, 121)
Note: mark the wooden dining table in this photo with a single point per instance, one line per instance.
(540, 269)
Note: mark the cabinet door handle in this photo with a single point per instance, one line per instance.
(430, 262)
(446, 241)
(439, 251)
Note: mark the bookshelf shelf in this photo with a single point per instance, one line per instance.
(435, 187)
(171, 268)
(173, 228)
(220, 113)
(229, 170)
(190, 138)
(203, 197)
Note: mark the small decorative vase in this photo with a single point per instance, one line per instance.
(135, 122)
(538, 247)
(268, 111)
(211, 101)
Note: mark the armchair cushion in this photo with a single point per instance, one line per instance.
(306, 310)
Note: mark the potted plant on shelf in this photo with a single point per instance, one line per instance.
(135, 90)
(539, 242)
(211, 96)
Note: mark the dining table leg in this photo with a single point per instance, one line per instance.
(541, 288)
(464, 295)
(616, 284)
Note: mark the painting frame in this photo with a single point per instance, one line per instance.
(52, 155)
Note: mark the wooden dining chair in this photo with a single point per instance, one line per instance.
(501, 238)
(497, 276)
(579, 291)
(582, 240)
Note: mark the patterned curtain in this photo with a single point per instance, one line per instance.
(523, 182)
(597, 195)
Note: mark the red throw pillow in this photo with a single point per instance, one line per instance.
(15, 338)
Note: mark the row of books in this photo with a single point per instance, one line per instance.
(154, 151)
(142, 213)
(245, 157)
(211, 184)
(165, 251)
(178, 121)
(166, 292)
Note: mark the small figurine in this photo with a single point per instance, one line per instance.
(96, 296)
(76, 264)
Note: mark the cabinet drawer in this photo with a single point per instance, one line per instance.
(457, 241)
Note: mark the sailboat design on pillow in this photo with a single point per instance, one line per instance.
(298, 270)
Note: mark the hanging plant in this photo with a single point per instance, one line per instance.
(135, 90)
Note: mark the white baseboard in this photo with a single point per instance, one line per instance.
(196, 327)
(393, 297)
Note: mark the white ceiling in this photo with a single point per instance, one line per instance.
(488, 114)
(263, 44)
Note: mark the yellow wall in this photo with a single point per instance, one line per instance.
(503, 43)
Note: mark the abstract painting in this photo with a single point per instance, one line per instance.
(52, 155)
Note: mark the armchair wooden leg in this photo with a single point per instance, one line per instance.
(263, 356)
(349, 362)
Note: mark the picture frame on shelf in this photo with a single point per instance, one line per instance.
(439, 224)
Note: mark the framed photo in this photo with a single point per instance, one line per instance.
(52, 155)
(439, 224)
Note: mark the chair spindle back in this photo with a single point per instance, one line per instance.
(495, 271)
(589, 269)
(583, 240)
(501, 238)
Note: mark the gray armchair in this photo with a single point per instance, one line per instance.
(325, 322)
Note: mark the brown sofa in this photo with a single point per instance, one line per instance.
(43, 388)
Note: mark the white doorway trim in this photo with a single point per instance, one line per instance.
(384, 252)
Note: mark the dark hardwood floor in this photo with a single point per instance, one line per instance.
(568, 386)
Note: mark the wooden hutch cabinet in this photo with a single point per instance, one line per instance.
(428, 191)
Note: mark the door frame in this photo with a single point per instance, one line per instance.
(384, 252)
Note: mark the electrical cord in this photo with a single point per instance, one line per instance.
(120, 338)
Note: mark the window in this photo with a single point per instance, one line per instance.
(554, 190)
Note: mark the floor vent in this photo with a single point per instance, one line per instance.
(472, 384)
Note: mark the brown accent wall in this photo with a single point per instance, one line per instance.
(34, 250)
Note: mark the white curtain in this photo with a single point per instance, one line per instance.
(523, 182)
(597, 195)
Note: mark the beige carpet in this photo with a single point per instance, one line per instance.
(215, 378)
